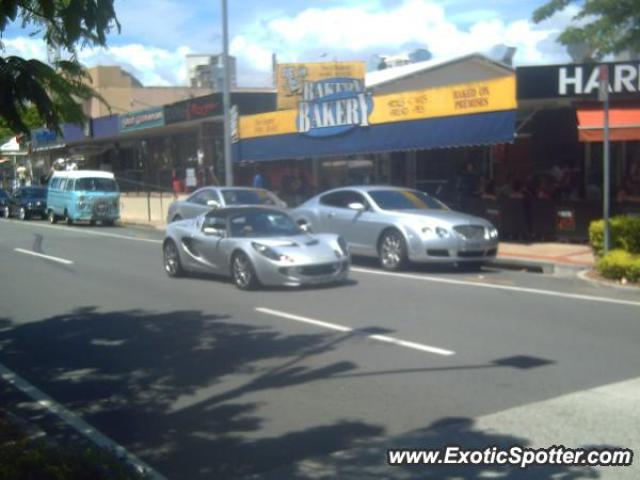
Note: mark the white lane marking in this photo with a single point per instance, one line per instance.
(342, 328)
(42, 255)
(536, 291)
(88, 232)
(75, 421)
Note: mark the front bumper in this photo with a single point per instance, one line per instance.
(272, 274)
(453, 250)
(34, 211)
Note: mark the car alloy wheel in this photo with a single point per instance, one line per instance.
(22, 213)
(392, 251)
(172, 264)
(243, 273)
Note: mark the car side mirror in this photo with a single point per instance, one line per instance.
(213, 204)
(357, 206)
(214, 232)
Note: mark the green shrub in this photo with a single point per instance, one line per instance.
(625, 234)
(619, 264)
(21, 458)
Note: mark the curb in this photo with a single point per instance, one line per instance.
(537, 266)
(142, 224)
(603, 283)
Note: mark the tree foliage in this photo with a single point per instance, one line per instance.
(56, 91)
(31, 118)
(607, 26)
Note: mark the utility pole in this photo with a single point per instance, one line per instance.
(603, 96)
(226, 98)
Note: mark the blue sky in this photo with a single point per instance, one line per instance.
(157, 35)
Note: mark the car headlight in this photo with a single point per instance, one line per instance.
(493, 233)
(344, 248)
(442, 232)
(267, 251)
(434, 232)
(29, 204)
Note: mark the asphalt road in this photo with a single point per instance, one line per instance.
(201, 380)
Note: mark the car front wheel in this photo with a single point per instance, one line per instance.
(392, 250)
(6, 213)
(243, 273)
(52, 217)
(22, 214)
(172, 264)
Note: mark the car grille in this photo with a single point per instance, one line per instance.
(324, 269)
(470, 232)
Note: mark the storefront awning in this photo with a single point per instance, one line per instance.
(456, 131)
(624, 123)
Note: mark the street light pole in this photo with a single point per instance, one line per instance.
(226, 98)
(604, 97)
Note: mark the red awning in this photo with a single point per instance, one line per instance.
(624, 123)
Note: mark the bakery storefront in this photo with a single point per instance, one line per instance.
(340, 134)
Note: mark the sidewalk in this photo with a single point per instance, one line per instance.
(549, 257)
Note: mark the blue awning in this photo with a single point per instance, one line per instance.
(432, 133)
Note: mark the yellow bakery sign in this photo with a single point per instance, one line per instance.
(453, 100)
(295, 81)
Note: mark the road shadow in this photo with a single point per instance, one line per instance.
(370, 461)
(157, 384)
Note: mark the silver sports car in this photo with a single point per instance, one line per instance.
(399, 225)
(206, 198)
(255, 246)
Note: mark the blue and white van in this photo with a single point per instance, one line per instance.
(83, 195)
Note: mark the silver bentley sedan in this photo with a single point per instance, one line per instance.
(206, 198)
(255, 246)
(399, 225)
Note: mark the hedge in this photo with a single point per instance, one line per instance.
(23, 458)
(618, 264)
(625, 234)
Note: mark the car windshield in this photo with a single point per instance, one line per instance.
(96, 185)
(35, 192)
(405, 200)
(248, 197)
(263, 224)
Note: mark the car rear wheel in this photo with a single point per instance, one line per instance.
(392, 250)
(23, 214)
(243, 273)
(53, 218)
(172, 264)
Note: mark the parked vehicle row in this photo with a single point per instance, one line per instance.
(260, 245)
(72, 196)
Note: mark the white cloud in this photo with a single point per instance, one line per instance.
(152, 66)
(26, 47)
